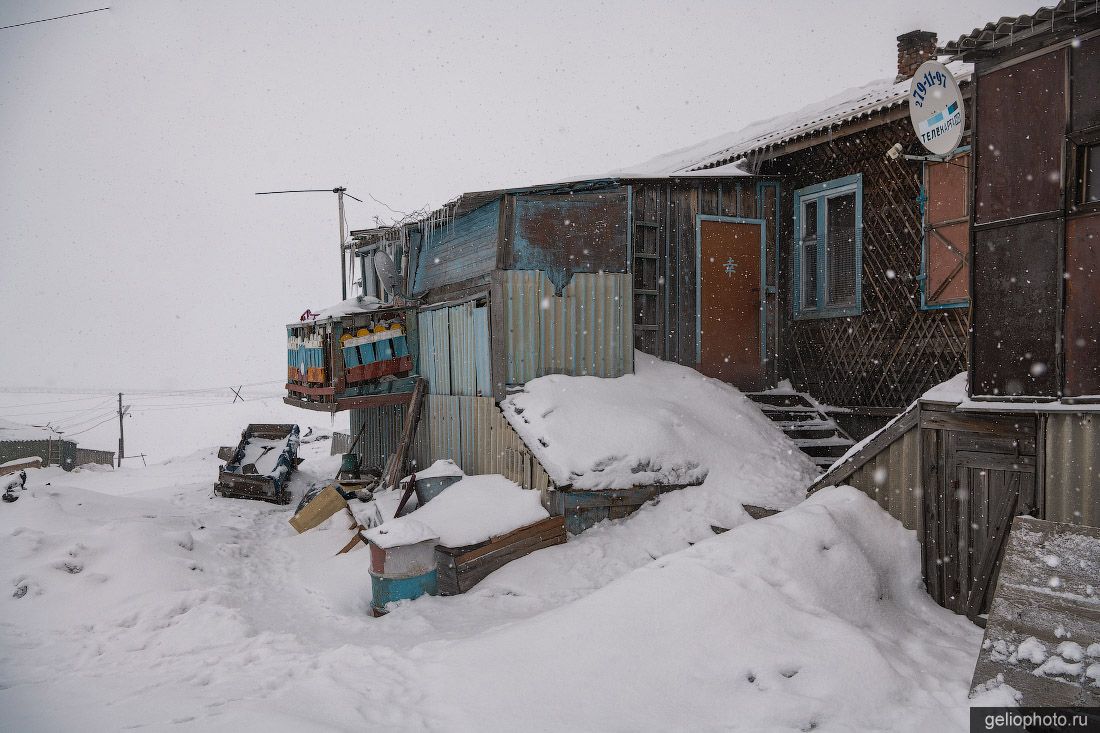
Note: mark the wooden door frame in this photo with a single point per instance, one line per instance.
(699, 219)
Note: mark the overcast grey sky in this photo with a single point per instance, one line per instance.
(134, 253)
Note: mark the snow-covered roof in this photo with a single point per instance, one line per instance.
(1009, 30)
(358, 304)
(725, 151)
(473, 510)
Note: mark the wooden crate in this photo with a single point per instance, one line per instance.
(461, 568)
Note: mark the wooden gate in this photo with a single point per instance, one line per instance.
(728, 300)
(988, 477)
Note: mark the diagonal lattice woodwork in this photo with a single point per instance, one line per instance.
(891, 353)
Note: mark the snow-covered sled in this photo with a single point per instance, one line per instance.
(261, 465)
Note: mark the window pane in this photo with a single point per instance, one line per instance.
(840, 250)
(809, 220)
(809, 273)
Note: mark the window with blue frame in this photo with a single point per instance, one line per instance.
(828, 256)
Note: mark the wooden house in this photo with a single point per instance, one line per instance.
(1020, 433)
(868, 277)
(500, 287)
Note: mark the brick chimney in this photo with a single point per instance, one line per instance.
(914, 48)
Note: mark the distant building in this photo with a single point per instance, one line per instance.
(27, 441)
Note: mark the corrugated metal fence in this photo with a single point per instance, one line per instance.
(84, 456)
(587, 331)
(382, 434)
(1073, 468)
(473, 433)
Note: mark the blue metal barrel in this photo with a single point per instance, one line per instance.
(386, 589)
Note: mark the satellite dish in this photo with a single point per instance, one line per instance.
(936, 108)
(387, 273)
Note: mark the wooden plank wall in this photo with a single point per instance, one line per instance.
(665, 253)
(893, 352)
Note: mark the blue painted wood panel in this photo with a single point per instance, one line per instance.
(459, 250)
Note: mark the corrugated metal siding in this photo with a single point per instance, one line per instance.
(382, 434)
(458, 250)
(586, 331)
(1073, 468)
(454, 350)
(892, 478)
(473, 433)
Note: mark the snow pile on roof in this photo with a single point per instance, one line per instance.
(814, 618)
(351, 306)
(844, 107)
(18, 431)
(664, 424)
(953, 390)
(472, 510)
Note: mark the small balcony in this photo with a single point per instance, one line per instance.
(349, 361)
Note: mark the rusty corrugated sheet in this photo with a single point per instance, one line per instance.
(1073, 468)
(473, 433)
(892, 479)
(586, 331)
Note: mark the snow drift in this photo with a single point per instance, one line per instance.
(664, 424)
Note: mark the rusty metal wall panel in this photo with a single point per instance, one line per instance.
(561, 234)
(588, 330)
(1015, 310)
(892, 479)
(1082, 319)
(473, 433)
(1073, 468)
(1019, 156)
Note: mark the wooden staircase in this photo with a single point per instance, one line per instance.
(805, 422)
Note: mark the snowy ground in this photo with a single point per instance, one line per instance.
(137, 599)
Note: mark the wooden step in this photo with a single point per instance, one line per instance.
(779, 399)
(824, 430)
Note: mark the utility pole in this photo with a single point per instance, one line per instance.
(121, 444)
(340, 191)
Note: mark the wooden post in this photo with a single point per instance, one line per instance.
(121, 444)
(408, 433)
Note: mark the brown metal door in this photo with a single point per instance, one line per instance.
(729, 302)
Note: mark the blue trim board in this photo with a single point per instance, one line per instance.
(699, 219)
(823, 191)
(922, 279)
(760, 186)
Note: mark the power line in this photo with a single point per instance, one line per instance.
(53, 402)
(81, 432)
(46, 20)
